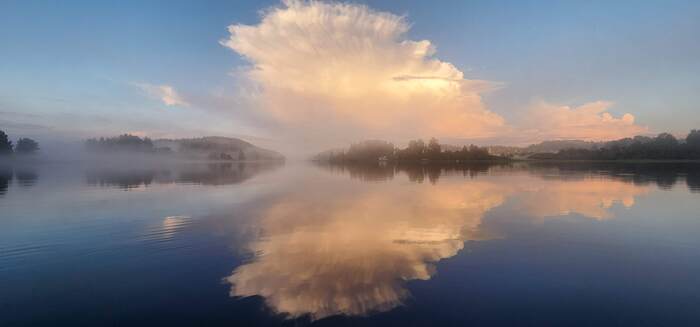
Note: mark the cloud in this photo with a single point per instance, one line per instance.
(346, 71)
(164, 93)
(591, 121)
(330, 73)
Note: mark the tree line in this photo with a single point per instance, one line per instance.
(121, 143)
(24, 145)
(662, 147)
(135, 144)
(417, 150)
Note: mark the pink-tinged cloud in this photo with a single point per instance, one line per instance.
(164, 93)
(591, 122)
(346, 71)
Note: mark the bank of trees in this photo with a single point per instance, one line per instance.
(662, 147)
(121, 143)
(417, 150)
(24, 145)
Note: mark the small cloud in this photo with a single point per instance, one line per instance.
(164, 93)
(590, 121)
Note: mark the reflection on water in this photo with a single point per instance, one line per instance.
(347, 249)
(447, 244)
(5, 179)
(415, 172)
(590, 197)
(663, 175)
(25, 175)
(205, 174)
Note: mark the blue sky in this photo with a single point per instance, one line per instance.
(70, 69)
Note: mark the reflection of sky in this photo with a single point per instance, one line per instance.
(351, 250)
(309, 241)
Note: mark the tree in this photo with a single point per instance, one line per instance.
(666, 140)
(416, 148)
(125, 142)
(693, 138)
(26, 146)
(5, 144)
(434, 148)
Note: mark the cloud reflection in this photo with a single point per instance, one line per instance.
(324, 254)
(349, 248)
(591, 197)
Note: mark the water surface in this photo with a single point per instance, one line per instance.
(296, 244)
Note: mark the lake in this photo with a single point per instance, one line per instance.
(363, 245)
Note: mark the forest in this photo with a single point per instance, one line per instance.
(662, 147)
(417, 150)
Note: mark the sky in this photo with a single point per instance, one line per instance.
(323, 74)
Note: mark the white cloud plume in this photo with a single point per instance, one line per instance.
(164, 93)
(331, 73)
(349, 71)
(591, 121)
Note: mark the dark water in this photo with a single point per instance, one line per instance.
(245, 244)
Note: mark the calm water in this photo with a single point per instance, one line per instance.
(296, 244)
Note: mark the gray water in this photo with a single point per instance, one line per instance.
(296, 244)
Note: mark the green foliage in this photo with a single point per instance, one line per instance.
(662, 147)
(5, 144)
(693, 139)
(125, 142)
(26, 146)
(417, 150)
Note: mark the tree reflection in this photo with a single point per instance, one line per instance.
(5, 179)
(123, 179)
(417, 172)
(26, 176)
(693, 180)
(662, 174)
(205, 174)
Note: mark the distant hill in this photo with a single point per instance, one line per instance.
(218, 148)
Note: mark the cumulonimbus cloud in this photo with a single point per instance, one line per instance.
(341, 72)
(345, 69)
(164, 93)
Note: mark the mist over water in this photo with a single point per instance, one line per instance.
(277, 244)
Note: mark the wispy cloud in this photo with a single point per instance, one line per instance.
(164, 93)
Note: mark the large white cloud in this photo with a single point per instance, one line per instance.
(348, 71)
(329, 73)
